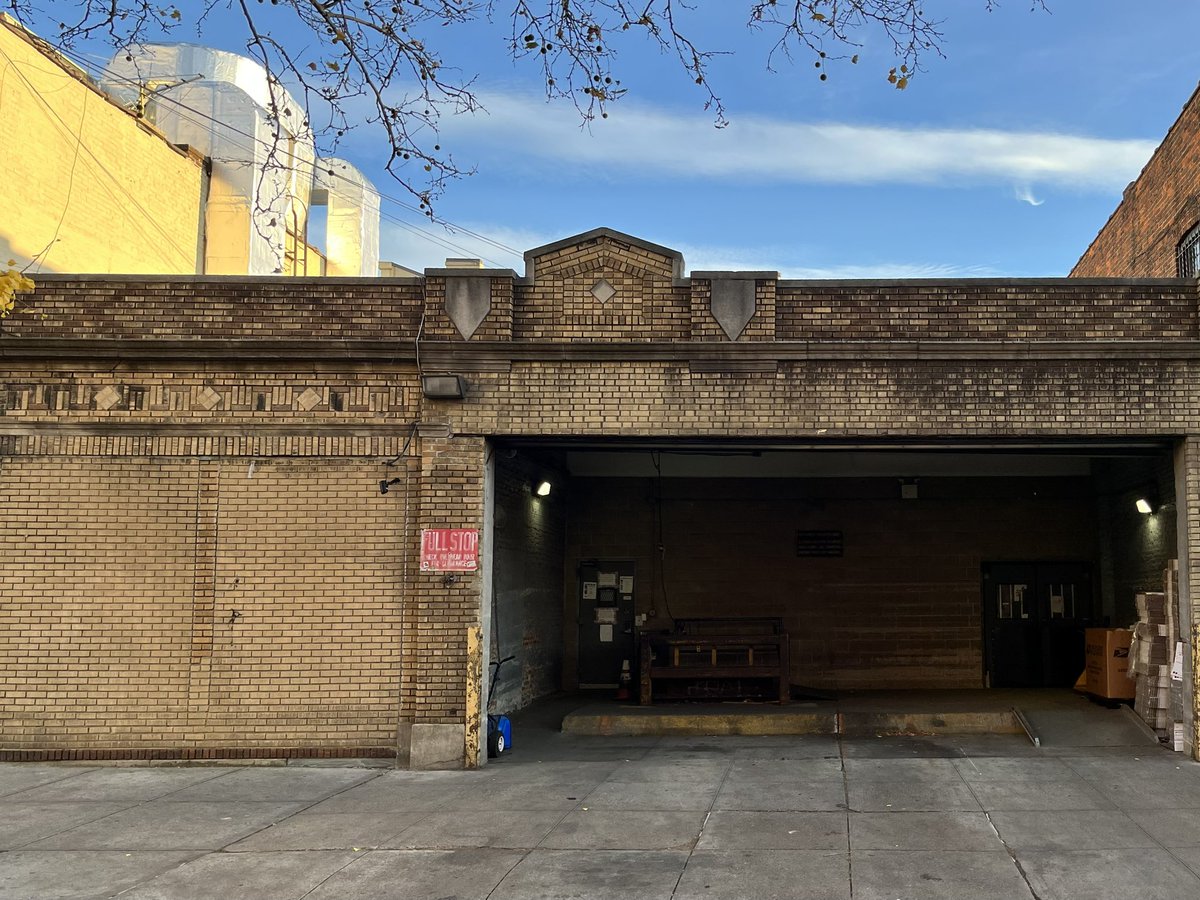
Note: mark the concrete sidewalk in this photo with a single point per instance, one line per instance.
(565, 816)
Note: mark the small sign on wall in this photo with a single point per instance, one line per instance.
(449, 550)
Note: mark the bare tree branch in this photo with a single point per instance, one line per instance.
(377, 63)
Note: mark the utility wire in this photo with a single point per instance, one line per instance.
(74, 163)
(162, 97)
(315, 170)
(65, 130)
(368, 188)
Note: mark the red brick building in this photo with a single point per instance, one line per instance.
(1155, 231)
(198, 559)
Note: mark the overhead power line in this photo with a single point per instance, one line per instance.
(439, 240)
(76, 136)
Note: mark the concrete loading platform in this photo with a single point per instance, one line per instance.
(1048, 717)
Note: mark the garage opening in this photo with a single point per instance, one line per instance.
(816, 568)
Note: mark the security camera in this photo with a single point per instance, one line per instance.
(385, 484)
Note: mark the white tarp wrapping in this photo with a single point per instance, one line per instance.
(262, 173)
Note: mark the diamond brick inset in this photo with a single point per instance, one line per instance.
(107, 398)
(307, 400)
(208, 399)
(603, 291)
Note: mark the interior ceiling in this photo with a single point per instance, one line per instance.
(882, 458)
(735, 463)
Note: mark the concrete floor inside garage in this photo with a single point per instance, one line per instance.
(799, 816)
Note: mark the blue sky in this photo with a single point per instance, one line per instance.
(1003, 159)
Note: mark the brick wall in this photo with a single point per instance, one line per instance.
(559, 304)
(1135, 547)
(323, 311)
(1140, 238)
(200, 377)
(1187, 517)
(900, 608)
(527, 606)
(220, 309)
(827, 399)
(122, 575)
(497, 324)
(444, 607)
(982, 310)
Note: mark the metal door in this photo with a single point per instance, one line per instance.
(1034, 615)
(605, 622)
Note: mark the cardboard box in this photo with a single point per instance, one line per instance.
(1108, 663)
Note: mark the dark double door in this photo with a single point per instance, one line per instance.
(1034, 615)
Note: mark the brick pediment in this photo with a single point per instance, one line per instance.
(602, 250)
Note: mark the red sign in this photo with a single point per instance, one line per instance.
(449, 550)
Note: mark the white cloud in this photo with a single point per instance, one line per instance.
(418, 250)
(1024, 193)
(699, 258)
(891, 271)
(641, 140)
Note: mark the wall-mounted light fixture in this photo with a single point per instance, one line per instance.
(1144, 506)
(542, 488)
(443, 387)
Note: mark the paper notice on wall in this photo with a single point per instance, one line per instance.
(589, 590)
(606, 615)
(1177, 665)
(1056, 606)
(606, 634)
(626, 584)
(608, 579)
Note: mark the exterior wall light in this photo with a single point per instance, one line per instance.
(542, 489)
(1144, 506)
(443, 387)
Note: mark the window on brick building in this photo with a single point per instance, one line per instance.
(1187, 254)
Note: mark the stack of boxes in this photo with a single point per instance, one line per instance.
(1159, 697)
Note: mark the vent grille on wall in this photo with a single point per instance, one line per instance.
(819, 543)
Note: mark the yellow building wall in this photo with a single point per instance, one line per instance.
(87, 186)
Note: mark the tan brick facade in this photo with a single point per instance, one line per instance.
(192, 602)
(174, 451)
